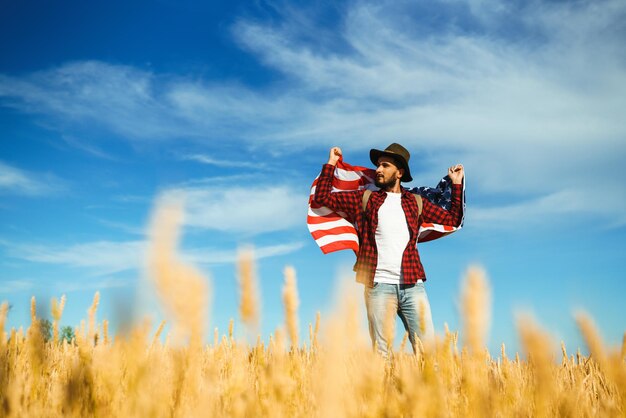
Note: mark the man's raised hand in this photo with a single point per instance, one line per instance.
(335, 155)
(456, 173)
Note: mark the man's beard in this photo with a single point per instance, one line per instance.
(385, 185)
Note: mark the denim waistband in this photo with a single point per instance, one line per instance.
(403, 286)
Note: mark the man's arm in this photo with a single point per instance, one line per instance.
(349, 202)
(434, 214)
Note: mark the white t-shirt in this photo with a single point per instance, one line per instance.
(392, 236)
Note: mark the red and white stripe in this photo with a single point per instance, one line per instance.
(332, 231)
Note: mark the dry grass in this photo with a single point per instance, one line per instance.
(291, 303)
(338, 374)
(249, 310)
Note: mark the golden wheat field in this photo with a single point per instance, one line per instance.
(332, 372)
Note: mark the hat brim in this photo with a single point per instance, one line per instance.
(375, 154)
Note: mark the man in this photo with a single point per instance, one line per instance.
(388, 263)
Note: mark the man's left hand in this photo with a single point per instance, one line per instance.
(456, 173)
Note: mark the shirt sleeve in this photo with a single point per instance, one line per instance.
(432, 213)
(349, 202)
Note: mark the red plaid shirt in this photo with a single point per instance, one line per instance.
(367, 222)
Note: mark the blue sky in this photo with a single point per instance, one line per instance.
(107, 106)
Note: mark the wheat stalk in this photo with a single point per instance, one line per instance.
(248, 291)
(182, 289)
(291, 303)
(4, 310)
(92, 316)
(33, 312)
(476, 300)
(57, 311)
(157, 334)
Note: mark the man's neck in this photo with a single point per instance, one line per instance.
(394, 189)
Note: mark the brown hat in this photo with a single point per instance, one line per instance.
(399, 154)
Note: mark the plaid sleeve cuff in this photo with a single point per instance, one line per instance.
(328, 169)
(457, 190)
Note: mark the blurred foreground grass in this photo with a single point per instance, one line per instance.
(333, 373)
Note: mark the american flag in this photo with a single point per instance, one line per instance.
(335, 231)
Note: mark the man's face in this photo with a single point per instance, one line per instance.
(387, 173)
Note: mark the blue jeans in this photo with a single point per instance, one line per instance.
(383, 301)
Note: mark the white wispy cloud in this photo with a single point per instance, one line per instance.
(443, 88)
(237, 209)
(17, 181)
(550, 208)
(121, 226)
(222, 162)
(15, 285)
(216, 256)
(104, 257)
(87, 147)
(10, 286)
(116, 97)
(528, 96)
(108, 257)
(96, 285)
(136, 104)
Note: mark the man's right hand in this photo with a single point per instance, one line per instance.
(335, 155)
